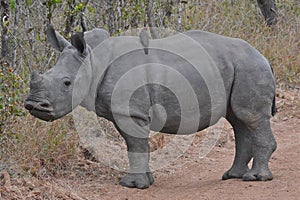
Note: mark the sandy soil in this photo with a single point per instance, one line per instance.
(187, 178)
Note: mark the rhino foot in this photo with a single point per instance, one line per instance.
(137, 180)
(263, 175)
(231, 173)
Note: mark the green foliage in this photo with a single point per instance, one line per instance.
(51, 5)
(79, 7)
(90, 9)
(11, 90)
(54, 2)
(5, 23)
(12, 4)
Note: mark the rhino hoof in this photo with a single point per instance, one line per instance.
(150, 177)
(257, 176)
(232, 173)
(137, 180)
(228, 175)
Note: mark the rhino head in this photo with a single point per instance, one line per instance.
(52, 94)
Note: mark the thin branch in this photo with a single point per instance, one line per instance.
(16, 24)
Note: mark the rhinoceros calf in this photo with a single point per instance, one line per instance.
(186, 83)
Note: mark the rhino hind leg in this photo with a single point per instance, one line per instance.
(250, 118)
(243, 149)
(264, 145)
(255, 142)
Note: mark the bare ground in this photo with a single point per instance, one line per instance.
(187, 178)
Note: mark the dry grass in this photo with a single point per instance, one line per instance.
(36, 147)
(242, 19)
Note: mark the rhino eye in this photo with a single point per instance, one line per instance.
(67, 83)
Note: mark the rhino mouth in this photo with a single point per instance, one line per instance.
(42, 109)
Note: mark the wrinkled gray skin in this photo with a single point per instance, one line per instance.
(247, 103)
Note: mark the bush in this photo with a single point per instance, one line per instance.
(12, 87)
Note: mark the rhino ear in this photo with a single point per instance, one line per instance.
(77, 40)
(55, 39)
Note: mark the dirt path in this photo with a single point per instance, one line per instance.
(191, 178)
(187, 178)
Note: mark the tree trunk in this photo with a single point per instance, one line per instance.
(110, 16)
(82, 15)
(70, 17)
(268, 9)
(179, 16)
(15, 44)
(4, 35)
(121, 22)
(151, 19)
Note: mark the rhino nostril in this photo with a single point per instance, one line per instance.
(41, 106)
(28, 106)
(45, 105)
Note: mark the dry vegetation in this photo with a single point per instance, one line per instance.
(33, 153)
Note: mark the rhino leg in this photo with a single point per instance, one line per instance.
(264, 145)
(251, 103)
(139, 175)
(257, 142)
(243, 148)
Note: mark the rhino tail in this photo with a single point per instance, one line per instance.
(274, 109)
(146, 50)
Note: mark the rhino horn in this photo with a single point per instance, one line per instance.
(35, 77)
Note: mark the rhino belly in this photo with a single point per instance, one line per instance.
(172, 111)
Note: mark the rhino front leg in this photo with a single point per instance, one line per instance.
(139, 175)
(243, 148)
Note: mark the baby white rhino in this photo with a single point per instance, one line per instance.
(185, 83)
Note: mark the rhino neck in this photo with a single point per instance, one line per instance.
(100, 58)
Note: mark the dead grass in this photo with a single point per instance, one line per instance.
(280, 44)
(38, 148)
